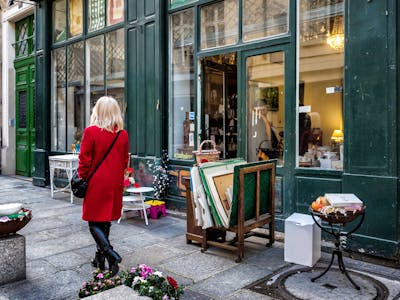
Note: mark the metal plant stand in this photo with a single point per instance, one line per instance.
(340, 220)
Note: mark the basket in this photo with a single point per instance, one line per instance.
(207, 155)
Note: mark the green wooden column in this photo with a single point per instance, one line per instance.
(370, 112)
(144, 77)
(42, 93)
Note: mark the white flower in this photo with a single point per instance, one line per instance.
(158, 273)
(136, 279)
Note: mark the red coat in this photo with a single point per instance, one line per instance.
(103, 200)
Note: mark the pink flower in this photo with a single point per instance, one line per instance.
(126, 182)
(100, 276)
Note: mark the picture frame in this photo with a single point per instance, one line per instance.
(216, 177)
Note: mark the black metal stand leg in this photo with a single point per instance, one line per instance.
(327, 269)
(343, 269)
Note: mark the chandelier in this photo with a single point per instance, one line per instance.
(336, 38)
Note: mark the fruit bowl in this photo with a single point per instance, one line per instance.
(9, 208)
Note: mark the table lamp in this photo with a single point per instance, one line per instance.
(337, 140)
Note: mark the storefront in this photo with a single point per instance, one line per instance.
(310, 83)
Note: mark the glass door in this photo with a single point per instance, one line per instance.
(265, 91)
(220, 103)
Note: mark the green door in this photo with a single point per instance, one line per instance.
(24, 97)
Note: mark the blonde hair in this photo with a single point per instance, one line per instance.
(107, 114)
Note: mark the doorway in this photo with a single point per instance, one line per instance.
(221, 103)
(25, 97)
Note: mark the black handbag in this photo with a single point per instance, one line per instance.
(264, 153)
(79, 185)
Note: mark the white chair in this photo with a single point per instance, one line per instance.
(135, 202)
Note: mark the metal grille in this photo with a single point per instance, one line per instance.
(22, 44)
(76, 62)
(60, 61)
(115, 52)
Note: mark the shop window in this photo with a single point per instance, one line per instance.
(58, 105)
(95, 66)
(219, 24)
(115, 11)
(73, 96)
(182, 117)
(320, 88)
(59, 20)
(75, 93)
(264, 18)
(115, 66)
(265, 102)
(75, 17)
(96, 15)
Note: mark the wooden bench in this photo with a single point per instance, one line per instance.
(252, 207)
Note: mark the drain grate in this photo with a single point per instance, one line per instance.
(295, 284)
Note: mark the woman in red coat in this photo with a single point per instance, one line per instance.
(103, 201)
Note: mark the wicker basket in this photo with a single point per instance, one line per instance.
(207, 155)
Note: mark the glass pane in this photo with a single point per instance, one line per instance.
(95, 66)
(22, 38)
(265, 106)
(58, 98)
(320, 126)
(263, 18)
(115, 66)
(219, 24)
(75, 17)
(96, 14)
(115, 11)
(75, 94)
(177, 3)
(181, 137)
(22, 109)
(220, 102)
(60, 20)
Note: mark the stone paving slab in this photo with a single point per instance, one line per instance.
(119, 293)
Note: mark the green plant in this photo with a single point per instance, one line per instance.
(102, 280)
(152, 284)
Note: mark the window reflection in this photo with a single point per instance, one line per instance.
(219, 24)
(59, 20)
(182, 117)
(263, 18)
(320, 126)
(75, 17)
(115, 11)
(95, 65)
(265, 102)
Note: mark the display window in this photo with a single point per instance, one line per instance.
(219, 24)
(264, 18)
(83, 70)
(59, 20)
(265, 106)
(96, 15)
(75, 17)
(182, 115)
(115, 11)
(320, 84)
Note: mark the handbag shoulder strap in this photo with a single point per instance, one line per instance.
(104, 157)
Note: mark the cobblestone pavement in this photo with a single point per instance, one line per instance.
(59, 248)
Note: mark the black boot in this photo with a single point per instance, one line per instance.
(99, 260)
(102, 241)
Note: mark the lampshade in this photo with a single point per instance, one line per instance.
(336, 37)
(337, 135)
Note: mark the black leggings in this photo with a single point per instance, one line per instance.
(104, 226)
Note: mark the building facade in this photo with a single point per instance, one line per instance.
(313, 84)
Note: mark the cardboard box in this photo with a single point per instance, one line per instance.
(302, 240)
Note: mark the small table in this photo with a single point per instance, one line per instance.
(67, 162)
(340, 220)
(136, 201)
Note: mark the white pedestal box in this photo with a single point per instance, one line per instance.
(302, 240)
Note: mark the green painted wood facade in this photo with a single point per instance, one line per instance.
(371, 110)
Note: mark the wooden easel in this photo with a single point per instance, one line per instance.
(215, 236)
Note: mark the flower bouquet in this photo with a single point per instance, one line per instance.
(102, 280)
(152, 283)
(129, 180)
